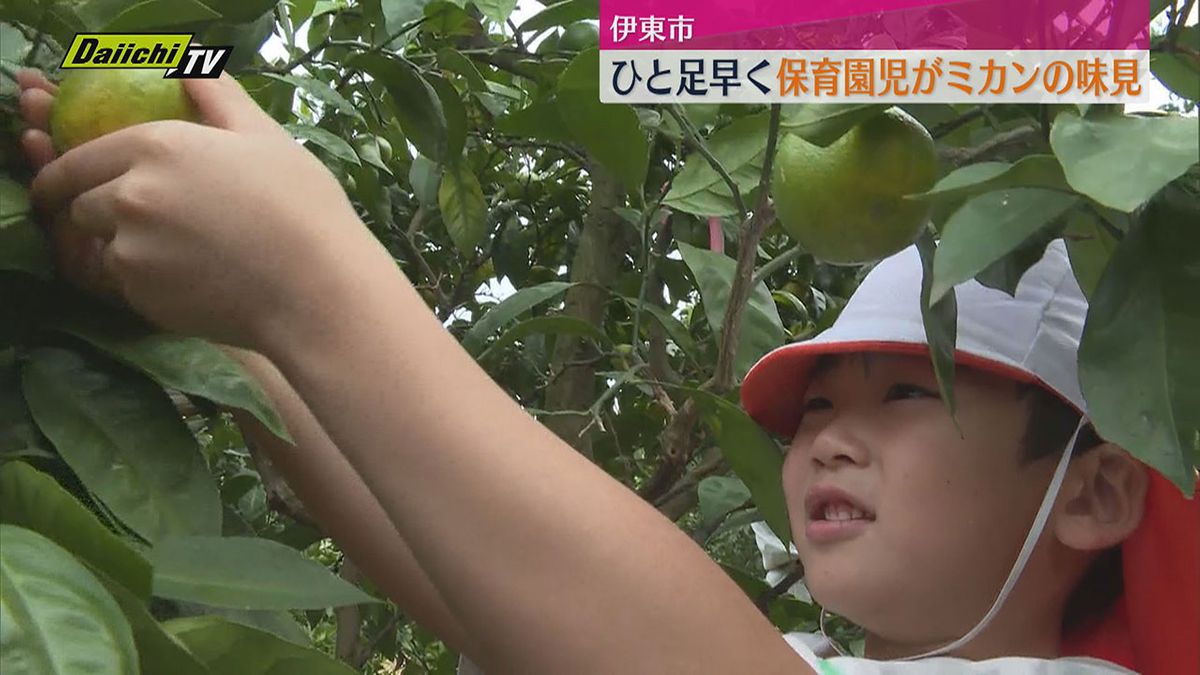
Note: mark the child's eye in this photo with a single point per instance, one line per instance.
(817, 403)
(903, 390)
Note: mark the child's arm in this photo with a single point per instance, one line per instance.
(342, 505)
(236, 234)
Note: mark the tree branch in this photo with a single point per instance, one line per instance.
(781, 261)
(960, 156)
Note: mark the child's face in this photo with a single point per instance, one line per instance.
(905, 526)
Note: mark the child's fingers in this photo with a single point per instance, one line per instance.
(38, 148)
(222, 102)
(85, 167)
(29, 78)
(35, 108)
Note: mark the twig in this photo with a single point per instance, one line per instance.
(698, 143)
(960, 156)
(751, 233)
(763, 601)
(950, 126)
(779, 262)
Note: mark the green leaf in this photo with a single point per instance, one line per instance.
(561, 14)
(719, 495)
(761, 329)
(146, 16)
(35, 501)
(414, 102)
(18, 434)
(322, 92)
(57, 618)
(190, 365)
(540, 119)
(453, 60)
(740, 147)
(425, 178)
(22, 246)
(1121, 161)
(823, 123)
(557, 324)
(1139, 362)
(246, 573)
(509, 309)
(1090, 246)
(941, 322)
(456, 115)
(125, 441)
(279, 623)
(1040, 171)
(496, 10)
(463, 207)
(609, 132)
(334, 145)
(1179, 70)
(158, 651)
(990, 226)
(241, 11)
(399, 13)
(754, 456)
(227, 647)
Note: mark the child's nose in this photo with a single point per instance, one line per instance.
(836, 446)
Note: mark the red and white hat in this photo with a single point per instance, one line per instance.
(1034, 338)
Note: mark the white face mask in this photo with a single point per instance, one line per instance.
(1031, 540)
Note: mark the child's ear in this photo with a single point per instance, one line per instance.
(1102, 499)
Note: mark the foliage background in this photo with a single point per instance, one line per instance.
(615, 268)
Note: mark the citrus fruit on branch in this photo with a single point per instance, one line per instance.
(91, 103)
(845, 203)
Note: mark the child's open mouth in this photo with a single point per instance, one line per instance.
(834, 515)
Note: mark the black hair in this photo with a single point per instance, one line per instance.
(1048, 429)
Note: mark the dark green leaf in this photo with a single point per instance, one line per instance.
(325, 140)
(675, 330)
(539, 120)
(609, 132)
(1178, 72)
(226, 647)
(19, 436)
(1040, 171)
(990, 226)
(279, 623)
(1005, 274)
(509, 309)
(761, 329)
(456, 115)
(1121, 161)
(822, 123)
(58, 619)
(463, 207)
(241, 11)
(941, 322)
(35, 501)
(754, 456)
(321, 91)
(453, 60)
(740, 148)
(1090, 246)
(190, 365)
(1139, 361)
(399, 13)
(246, 573)
(561, 14)
(414, 102)
(158, 651)
(22, 246)
(125, 440)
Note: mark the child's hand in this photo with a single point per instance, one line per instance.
(217, 230)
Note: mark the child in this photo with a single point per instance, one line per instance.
(528, 558)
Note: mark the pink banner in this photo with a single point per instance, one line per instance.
(874, 24)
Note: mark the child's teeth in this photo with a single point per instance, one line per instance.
(838, 513)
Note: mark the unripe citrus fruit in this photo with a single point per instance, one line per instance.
(844, 203)
(578, 37)
(548, 44)
(91, 103)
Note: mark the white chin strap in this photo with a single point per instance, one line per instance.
(1031, 540)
